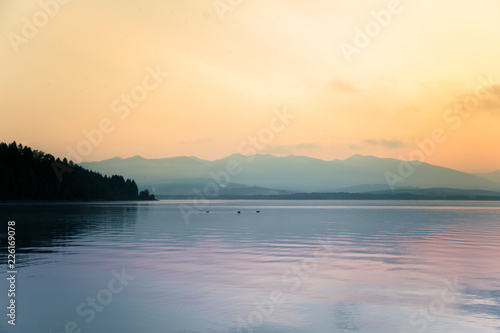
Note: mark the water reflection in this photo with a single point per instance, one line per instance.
(338, 266)
(52, 227)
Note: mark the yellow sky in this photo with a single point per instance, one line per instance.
(65, 69)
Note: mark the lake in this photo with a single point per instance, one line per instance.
(297, 266)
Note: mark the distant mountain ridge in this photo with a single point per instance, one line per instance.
(267, 173)
(491, 176)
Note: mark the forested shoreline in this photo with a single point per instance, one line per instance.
(32, 175)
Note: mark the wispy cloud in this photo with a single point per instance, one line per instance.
(290, 149)
(386, 143)
(486, 98)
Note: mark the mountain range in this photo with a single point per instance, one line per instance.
(264, 174)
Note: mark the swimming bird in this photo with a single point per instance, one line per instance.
(207, 211)
(239, 212)
(257, 211)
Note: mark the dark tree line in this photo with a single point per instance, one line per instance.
(27, 174)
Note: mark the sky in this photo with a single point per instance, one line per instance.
(91, 80)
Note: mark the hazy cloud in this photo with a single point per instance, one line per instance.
(282, 149)
(307, 146)
(492, 102)
(486, 98)
(343, 86)
(386, 143)
(290, 149)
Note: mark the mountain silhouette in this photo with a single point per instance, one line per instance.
(178, 175)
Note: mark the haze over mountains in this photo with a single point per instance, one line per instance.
(268, 174)
(492, 176)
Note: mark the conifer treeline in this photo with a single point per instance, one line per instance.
(27, 174)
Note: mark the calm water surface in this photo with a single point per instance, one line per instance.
(297, 266)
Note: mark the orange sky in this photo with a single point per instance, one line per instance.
(67, 72)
